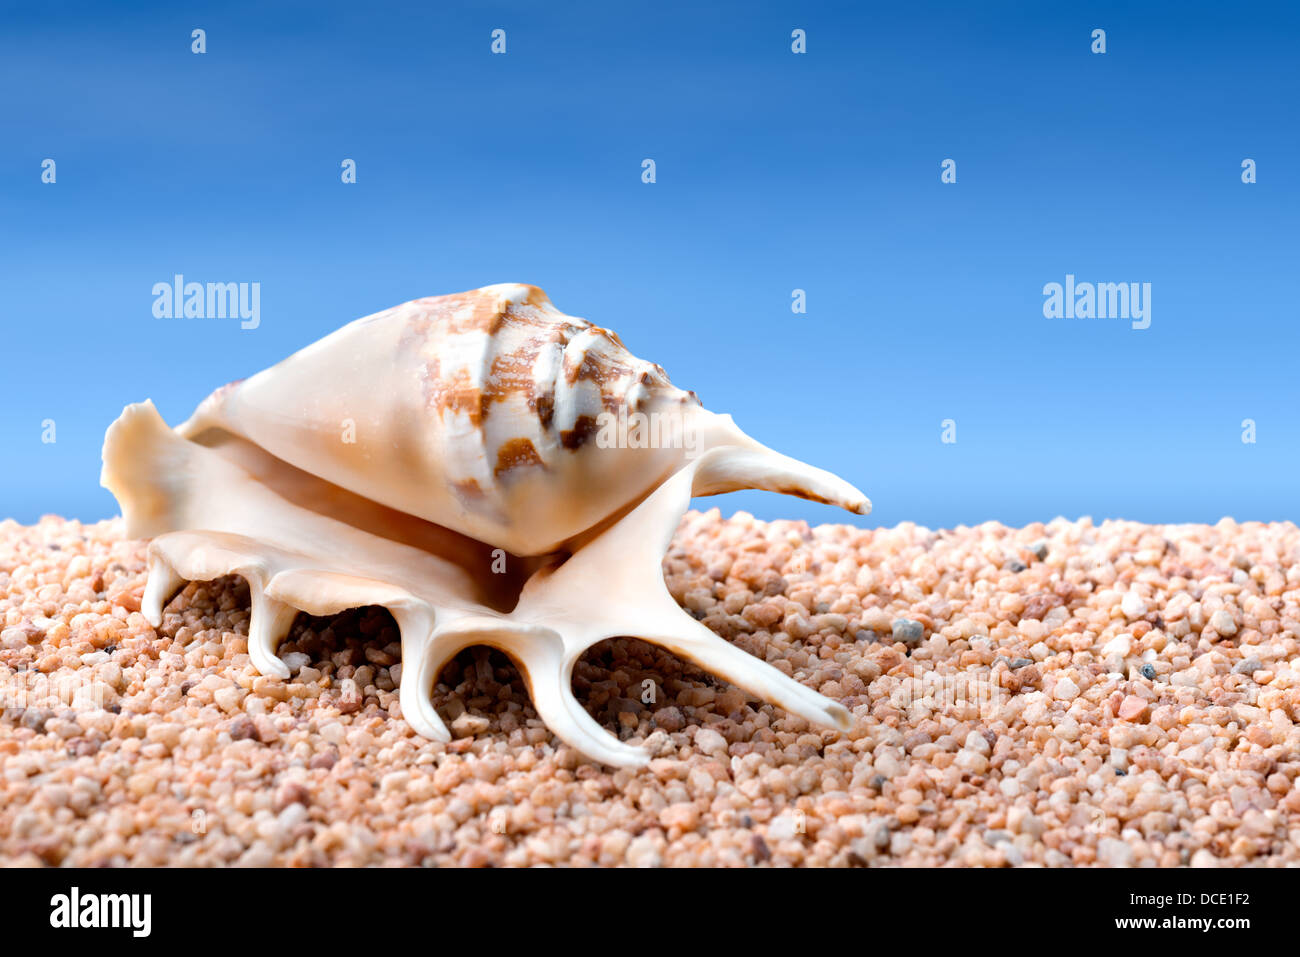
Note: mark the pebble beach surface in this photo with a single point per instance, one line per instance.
(1061, 694)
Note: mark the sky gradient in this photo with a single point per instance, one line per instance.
(775, 171)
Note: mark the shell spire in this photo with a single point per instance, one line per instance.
(497, 397)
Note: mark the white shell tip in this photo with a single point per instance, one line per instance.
(267, 662)
(840, 716)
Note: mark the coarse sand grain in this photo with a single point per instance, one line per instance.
(1060, 694)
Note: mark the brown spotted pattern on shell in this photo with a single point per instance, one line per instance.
(408, 457)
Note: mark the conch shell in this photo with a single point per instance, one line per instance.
(491, 470)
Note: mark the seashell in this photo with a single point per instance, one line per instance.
(491, 470)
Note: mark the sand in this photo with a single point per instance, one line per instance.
(1060, 694)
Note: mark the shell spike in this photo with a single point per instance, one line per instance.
(735, 461)
(162, 585)
(546, 659)
(687, 638)
(270, 623)
(555, 704)
(423, 658)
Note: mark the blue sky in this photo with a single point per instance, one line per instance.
(775, 171)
